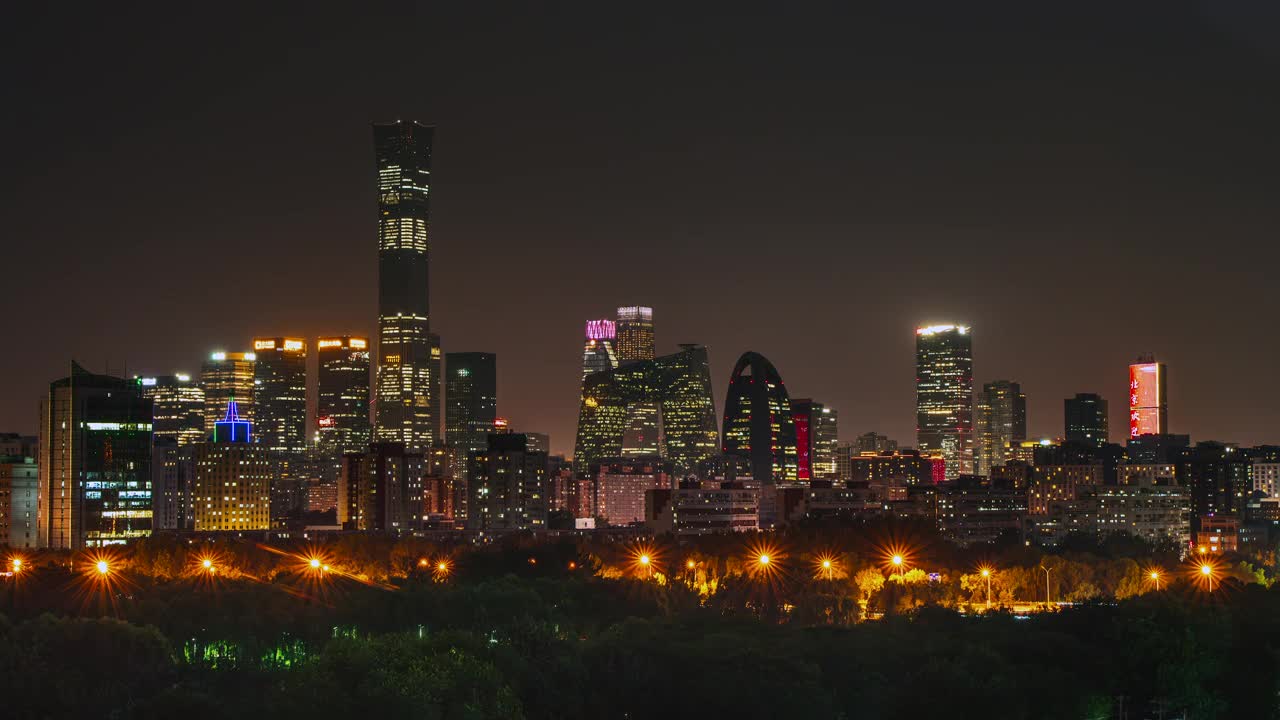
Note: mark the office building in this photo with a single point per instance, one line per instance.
(177, 407)
(507, 485)
(758, 421)
(1053, 483)
(19, 501)
(231, 488)
(1000, 423)
(471, 399)
(280, 395)
(816, 440)
(1085, 419)
(873, 442)
(342, 398)
(538, 442)
(598, 352)
(903, 467)
(679, 383)
(172, 479)
(95, 462)
(621, 484)
(437, 388)
(224, 377)
(404, 385)
(1148, 401)
(634, 334)
(381, 489)
(944, 396)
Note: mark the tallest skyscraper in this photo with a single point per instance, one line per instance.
(405, 386)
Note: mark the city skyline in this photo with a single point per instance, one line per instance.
(1051, 200)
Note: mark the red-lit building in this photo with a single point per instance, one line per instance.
(1148, 403)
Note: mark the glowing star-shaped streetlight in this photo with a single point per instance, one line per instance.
(102, 567)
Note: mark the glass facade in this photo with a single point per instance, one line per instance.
(758, 421)
(1085, 419)
(342, 398)
(679, 383)
(177, 407)
(404, 380)
(944, 396)
(1001, 421)
(95, 465)
(816, 440)
(227, 376)
(471, 399)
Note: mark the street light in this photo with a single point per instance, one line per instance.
(1155, 577)
(986, 573)
(763, 559)
(1207, 570)
(103, 567)
(17, 565)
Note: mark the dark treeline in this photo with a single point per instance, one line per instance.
(556, 629)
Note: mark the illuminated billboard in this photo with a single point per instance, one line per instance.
(804, 466)
(601, 330)
(1147, 404)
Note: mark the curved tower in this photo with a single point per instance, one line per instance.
(758, 423)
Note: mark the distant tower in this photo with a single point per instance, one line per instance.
(231, 490)
(342, 403)
(471, 397)
(404, 382)
(758, 423)
(635, 342)
(598, 352)
(178, 407)
(816, 439)
(1148, 403)
(227, 376)
(280, 395)
(1002, 420)
(1085, 419)
(944, 396)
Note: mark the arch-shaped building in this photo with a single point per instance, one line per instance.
(758, 424)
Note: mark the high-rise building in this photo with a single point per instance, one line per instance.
(816, 440)
(177, 407)
(227, 376)
(679, 383)
(404, 382)
(944, 395)
(1218, 475)
(280, 395)
(95, 462)
(1148, 403)
(597, 351)
(873, 442)
(1085, 419)
(635, 334)
(758, 421)
(507, 486)
(172, 477)
(437, 389)
(231, 488)
(471, 399)
(1001, 422)
(342, 400)
(382, 489)
(19, 501)
(538, 442)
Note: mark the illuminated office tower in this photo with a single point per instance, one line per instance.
(437, 389)
(1148, 403)
(404, 385)
(342, 400)
(177, 407)
(816, 440)
(471, 399)
(231, 489)
(1085, 419)
(944, 396)
(1001, 421)
(635, 342)
(280, 395)
(95, 462)
(635, 334)
(679, 383)
(758, 423)
(227, 376)
(597, 352)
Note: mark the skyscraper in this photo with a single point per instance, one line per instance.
(681, 385)
(280, 395)
(1148, 403)
(635, 334)
(944, 395)
(342, 400)
(507, 486)
(177, 407)
(95, 462)
(471, 399)
(597, 352)
(382, 489)
(758, 421)
(635, 342)
(1002, 419)
(816, 439)
(227, 376)
(231, 489)
(404, 382)
(437, 389)
(1085, 419)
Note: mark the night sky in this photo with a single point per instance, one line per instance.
(1080, 185)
